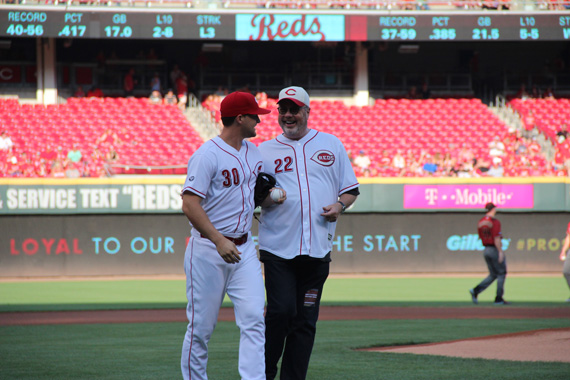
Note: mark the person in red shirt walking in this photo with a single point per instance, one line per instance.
(489, 230)
(564, 257)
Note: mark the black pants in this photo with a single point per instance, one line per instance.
(294, 288)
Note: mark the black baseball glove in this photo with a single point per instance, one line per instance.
(265, 182)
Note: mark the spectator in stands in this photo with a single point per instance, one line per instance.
(72, 170)
(151, 56)
(466, 170)
(170, 98)
(519, 146)
(496, 147)
(221, 91)
(49, 154)
(465, 154)
(426, 92)
(534, 147)
(534, 92)
(398, 161)
(429, 167)
(11, 166)
(6, 142)
(261, 98)
(529, 121)
(548, 94)
(480, 166)
(155, 83)
(79, 93)
(448, 164)
(129, 83)
(363, 162)
(155, 97)
(522, 94)
(174, 74)
(415, 164)
(57, 170)
(95, 92)
(112, 155)
(39, 165)
(182, 91)
(100, 59)
(558, 160)
(385, 159)
(562, 133)
(26, 165)
(438, 159)
(74, 155)
(413, 93)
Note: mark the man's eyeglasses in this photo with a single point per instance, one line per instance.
(294, 110)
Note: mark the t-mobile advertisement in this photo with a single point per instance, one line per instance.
(92, 245)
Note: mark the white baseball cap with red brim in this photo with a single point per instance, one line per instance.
(298, 95)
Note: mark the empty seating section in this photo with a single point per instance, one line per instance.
(547, 116)
(140, 133)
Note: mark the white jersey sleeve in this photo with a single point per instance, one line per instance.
(314, 171)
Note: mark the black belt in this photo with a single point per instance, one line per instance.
(237, 241)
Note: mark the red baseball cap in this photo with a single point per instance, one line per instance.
(241, 103)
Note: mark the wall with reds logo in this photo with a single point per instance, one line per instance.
(150, 244)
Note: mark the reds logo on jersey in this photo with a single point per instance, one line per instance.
(323, 157)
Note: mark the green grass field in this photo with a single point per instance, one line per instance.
(415, 291)
(152, 351)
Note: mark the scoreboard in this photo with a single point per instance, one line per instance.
(282, 25)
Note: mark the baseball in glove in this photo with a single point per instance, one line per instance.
(265, 182)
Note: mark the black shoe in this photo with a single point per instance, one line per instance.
(473, 296)
(501, 302)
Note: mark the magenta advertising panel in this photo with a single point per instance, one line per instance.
(468, 196)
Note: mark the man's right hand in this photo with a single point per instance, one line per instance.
(228, 251)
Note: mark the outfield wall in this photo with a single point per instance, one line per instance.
(134, 226)
(147, 244)
(31, 196)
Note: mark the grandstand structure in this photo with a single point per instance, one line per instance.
(132, 136)
(360, 92)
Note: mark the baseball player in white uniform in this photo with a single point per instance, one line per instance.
(221, 257)
(296, 237)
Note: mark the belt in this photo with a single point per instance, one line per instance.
(237, 241)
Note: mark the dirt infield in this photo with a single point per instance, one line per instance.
(549, 345)
(326, 313)
(543, 345)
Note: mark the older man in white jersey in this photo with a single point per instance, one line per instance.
(295, 238)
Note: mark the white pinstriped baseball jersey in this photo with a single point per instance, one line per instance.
(314, 171)
(225, 179)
